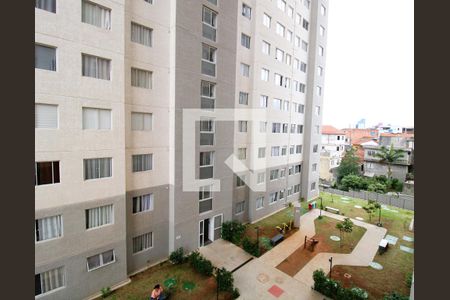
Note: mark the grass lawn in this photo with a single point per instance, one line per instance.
(396, 263)
(267, 226)
(142, 284)
(325, 228)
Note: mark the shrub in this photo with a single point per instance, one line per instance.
(250, 247)
(334, 290)
(200, 264)
(106, 291)
(395, 184)
(235, 294)
(395, 296)
(233, 231)
(225, 280)
(409, 278)
(265, 243)
(177, 257)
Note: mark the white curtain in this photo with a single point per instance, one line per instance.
(142, 162)
(89, 65)
(90, 118)
(141, 34)
(99, 216)
(48, 228)
(96, 15)
(143, 203)
(103, 68)
(49, 5)
(142, 242)
(46, 116)
(52, 279)
(104, 118)
(141, 78)
(45, 57)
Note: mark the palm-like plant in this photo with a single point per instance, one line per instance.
(389, 156)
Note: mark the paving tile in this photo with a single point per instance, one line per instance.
(406, 249)
(391, 239)
(276, 290)
(408, 239)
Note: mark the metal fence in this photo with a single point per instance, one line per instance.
(401, 200)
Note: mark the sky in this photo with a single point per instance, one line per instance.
(369, 63)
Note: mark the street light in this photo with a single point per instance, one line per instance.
(321, 205)
(331, 265)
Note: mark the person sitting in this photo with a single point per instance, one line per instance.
(157, 293)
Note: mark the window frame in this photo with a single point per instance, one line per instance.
(101, 260)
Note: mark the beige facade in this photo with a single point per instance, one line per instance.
(124, 102)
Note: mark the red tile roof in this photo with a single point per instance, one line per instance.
(406, 135)
(328, 129)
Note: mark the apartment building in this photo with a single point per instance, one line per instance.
(113, 81)
(332, 152)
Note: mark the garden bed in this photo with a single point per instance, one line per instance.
(189, 284)
(325, 228)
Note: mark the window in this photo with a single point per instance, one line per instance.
(217, 226)
(302, 88)
(273, 197)
(208, 60)
(287, 82)
(305, 46)
(265, 48)
(260, 202)
(290, 11)
(283, 153)
(314, 167)
(293, 126)
(286, 105)
(282, 172)
(208, 95)
(47, 281)
(280, 29)
(274, 174)
(45, 57)
(243, 98)
(97, 168)
(303, 67)
(279, 55)
(205, 199)
(299, 128)
(142, 242)
(261, 152)
(296, 64)
(319, 90)
(142, 162)
(48, 5)
(307, 3)
(263, 101)
(240, 181)
(291, 170)
(261, 178)
(99, 216)
(46, 172)
(96, 67)
(289, 35)
(276, 103)
(209, 19)
(141, 121)
(242, 126)
(96, 118)
(245, 70)
(246, 11)
(297, 41)
(315, 147)
(289, 191)
(211, 1)
(281, 4)
(323, 10)
(296, 188)
(264, 74)
(322, 31)
(317, 110)
(142, 203)
(245, 40)
(275, 151)
(240, 207)
(48, 228)
(321, 50)
(298, 149)
(46, 116)
(296, 86)
(266, 20)
(141, 78)
(262, 126)
(320, 70)
(96, 15)
(297, 168)
(282, 192)
(313, 186)
(242, 153)
(207, 132)
(276, 127)
(206, 164)
(285, 127)
(100, 260)
(301, 108)
(305, 24)
(151, 1)
(298, 18)
(278, 79)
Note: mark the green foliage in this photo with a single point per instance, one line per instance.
(106, 291)
(265, 243)
(334, 290)
(233, 231)
(235, 294)
(410, 176)
(409, 278)
(395, 184)
(370, 209)
(377, 187)
(378, 184)
(200, 264)
(224, 280)
(389, 156)
(349, 165)
(395, 296)
(353, 182)
(250, 247)
(177, 257)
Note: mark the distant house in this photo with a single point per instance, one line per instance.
(403, 141)
(333, 149)
(355, 137)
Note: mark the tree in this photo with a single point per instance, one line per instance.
(345, 226)
(370, 209)
(351, 181)
(349, 165)
(389, 157)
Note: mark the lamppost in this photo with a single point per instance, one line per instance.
(331, 265)
(320, 216)
(379, 216)
(257, 236)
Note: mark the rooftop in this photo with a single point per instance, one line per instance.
(328, 129)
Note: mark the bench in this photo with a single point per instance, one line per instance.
(383, 246)
(332, 209)
(276, 239)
